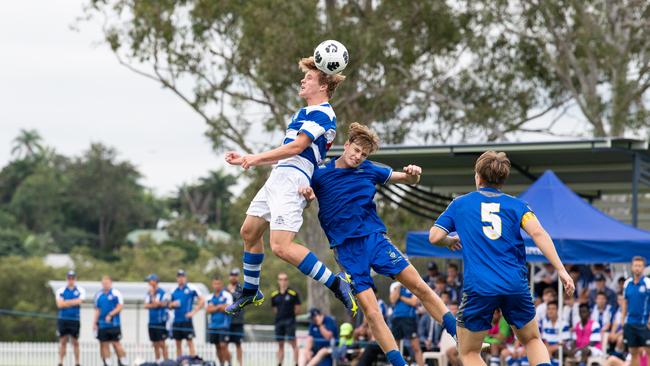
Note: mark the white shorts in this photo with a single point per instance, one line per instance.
(279, 202)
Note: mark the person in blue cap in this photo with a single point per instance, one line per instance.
(157, 301)
(182, 301)
(68, 300)
(323, 332)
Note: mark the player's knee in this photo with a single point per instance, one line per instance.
(248, 234)
(279, 249)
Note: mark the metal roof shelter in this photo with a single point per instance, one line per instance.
(592, 168)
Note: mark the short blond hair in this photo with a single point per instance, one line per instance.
(332, 81)
(493, 168)
(363, 136)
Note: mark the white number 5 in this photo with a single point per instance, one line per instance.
(488, 214)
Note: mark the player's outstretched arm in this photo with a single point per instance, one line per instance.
(410, 174)
(544, 242)
(271, 157)
(439, 237)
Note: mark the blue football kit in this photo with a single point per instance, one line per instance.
(488, 223)
(106, 301)
(349, 218)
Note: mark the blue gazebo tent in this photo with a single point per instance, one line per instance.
(581, 233)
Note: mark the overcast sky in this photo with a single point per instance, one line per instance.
(70, 88)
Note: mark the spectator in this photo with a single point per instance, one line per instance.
(582, 284)
(514, 355)
(404, 323)
(554, 332)
(454, 283)
(182, 301)
(237, 321)
(157, 302)
(602, 312)
(498, 337)
(545, 277)
(322, 333)
(338, 352)
(108, 305)
(286, 304)
(599, 286)
(432, 274)
(570, 311)
(587, 338)
(219, 324)
(550, 294)
(620, 285)
(634, 313)
(615, 337)
(440, 285)
(371, 350)
(429, 332)
(68, 300)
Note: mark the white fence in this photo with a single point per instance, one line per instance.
(46, 354)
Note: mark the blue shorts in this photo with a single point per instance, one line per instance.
(476, 311)
(357, 255)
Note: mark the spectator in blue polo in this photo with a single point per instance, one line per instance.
(182, 301)
(68, 300)
(157, 302)
(323, 332)
(635, 310)
(108, 305)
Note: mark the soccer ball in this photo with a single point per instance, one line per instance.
(331, 57)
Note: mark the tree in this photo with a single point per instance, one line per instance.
(27, 144)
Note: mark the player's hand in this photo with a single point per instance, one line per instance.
(108, 318)
(567, 281)
(248, 161)
(308, 193)
(189, 314)
(233, 158)
(412, 170)
(454, 243)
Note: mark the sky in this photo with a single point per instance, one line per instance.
(68, 86)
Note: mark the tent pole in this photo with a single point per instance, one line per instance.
(635, 190)
(560, 310)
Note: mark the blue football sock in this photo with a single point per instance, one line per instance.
(395, 358)
(315, 269)
(252, 269)
(449, 322)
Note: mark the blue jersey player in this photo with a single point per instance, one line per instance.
(488, 223)
(277, 204)
(345, 188)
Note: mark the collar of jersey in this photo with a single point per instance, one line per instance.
(332, 164)
(489, 189)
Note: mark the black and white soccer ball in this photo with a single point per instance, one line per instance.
(331, 57)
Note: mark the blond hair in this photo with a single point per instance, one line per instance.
(493, 168)
(332, 81)
(363, 136)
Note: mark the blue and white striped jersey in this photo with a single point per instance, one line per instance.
(554, 333)
(319, 123)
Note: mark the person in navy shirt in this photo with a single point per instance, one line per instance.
(345, 188)
(68, 300)
(219, 324)
(276, 206)
(635, 308)
(182, 301)
(108, 305)
(157, 302)
(323, 332)
(404, 323)
(489, 223)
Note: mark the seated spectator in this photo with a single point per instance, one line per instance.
(429, 332)
(620, 285)
(615, 336)
(599, 286)
(545, 277)
(432, 274)
(587, 338)
(602, 312)
(322, 333)
(453, 281)
(440, 285)
(338, 352)
(582, 284)
(570, 311)
(514, 355)
(554, 332)
(498, 337)
(550, 294)
(366, 341)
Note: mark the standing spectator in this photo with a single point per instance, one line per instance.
(600, 286)
(555, 332)
(68, 300)
(219, 324)
(432, 274)
(286, 304)
(602, 312)
(108, 305)
(404, 323)
(157, 301)
(182, 301)
(550, 294)
(635, 310)
(587, 338)
(237, 320)
(322, 333)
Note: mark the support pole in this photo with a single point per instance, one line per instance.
(636, 172)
